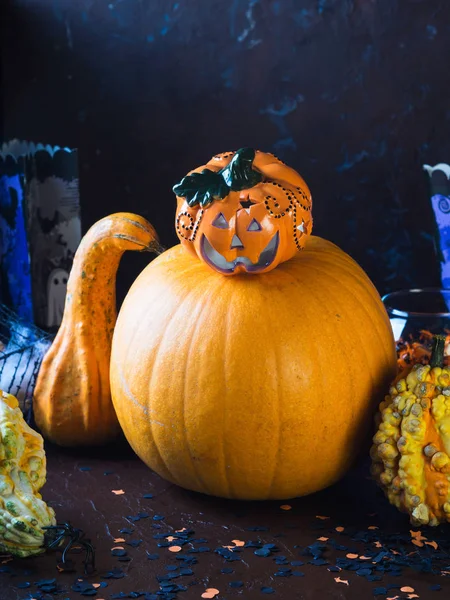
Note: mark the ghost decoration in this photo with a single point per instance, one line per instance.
(56, 296)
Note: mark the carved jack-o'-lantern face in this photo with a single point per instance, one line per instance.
(243, 211)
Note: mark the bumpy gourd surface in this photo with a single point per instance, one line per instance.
(23, 513)
(412, 445)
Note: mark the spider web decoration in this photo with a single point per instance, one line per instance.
(22, 348)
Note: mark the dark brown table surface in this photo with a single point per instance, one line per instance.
(79, 488)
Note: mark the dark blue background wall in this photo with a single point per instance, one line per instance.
(352, 93)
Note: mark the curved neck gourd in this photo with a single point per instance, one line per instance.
(72, 399)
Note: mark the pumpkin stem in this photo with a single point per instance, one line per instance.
(437, 351)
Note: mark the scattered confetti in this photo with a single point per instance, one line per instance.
(117, 492)
(210, 593)
(339, 580)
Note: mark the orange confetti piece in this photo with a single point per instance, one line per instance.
(339, 529)
(339, 580)
(118, 548)
(413, 596)
(175, 548)
(350, 555)
(210, 593)
(170, 538)
(285, 507)
(378, 545)
(118, 492)
(180, 530)
(407, 589)
(238, 542)
(417, 535)
(96, 585)
(362, 557)
(373, 527)
(417, 543)
(432, 544)
(118, 540)
(322, 518)
(323, 539)
(445, 572)
(393, 598)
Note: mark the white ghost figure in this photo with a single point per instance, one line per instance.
(56, 296)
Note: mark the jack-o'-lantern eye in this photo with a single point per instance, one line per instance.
(220, 222)
(254, 226)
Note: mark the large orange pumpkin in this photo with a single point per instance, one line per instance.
(251, 387)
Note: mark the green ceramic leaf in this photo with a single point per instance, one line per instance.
(202, 188)
(239, 173)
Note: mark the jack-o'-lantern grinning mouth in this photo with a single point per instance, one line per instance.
(220, 263)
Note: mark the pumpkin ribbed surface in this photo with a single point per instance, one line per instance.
(251, 387)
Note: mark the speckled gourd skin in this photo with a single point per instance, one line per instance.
(411, 447)
(72, 399)
(23, 513)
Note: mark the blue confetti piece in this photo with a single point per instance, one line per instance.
(108, 472)
(435, 588)
(227, 571)
(152, 556)
(333, 569)
(85, 468)
(148, 496)
(262, 552)
(297, 563)
(23, 585)
(380, 591)
(267, 590)
(158, 517)
(298, 573)
(118, 552)
(236, 584)
(126, 530)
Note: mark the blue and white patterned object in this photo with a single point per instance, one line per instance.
(15, 275)
(440, 201)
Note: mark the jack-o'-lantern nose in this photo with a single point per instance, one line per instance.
(236, 243)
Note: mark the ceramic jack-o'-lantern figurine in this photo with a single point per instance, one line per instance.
(243, 211)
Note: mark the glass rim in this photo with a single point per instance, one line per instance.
(401, 313)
